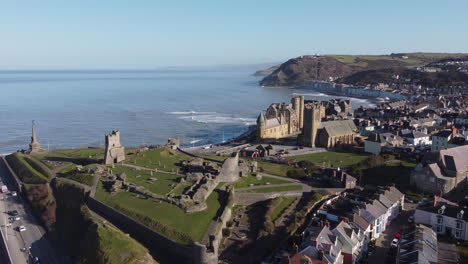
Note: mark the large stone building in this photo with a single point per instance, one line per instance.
(115, 152)
(448, 173)
(304, 118)
(281, 120)
(327, 134)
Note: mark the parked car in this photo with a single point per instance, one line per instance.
(394, 243)
(36, 260)
(13, 193)
(13, 213)
(14, 218)
(21, 228)
(398, 236)
(411, 219)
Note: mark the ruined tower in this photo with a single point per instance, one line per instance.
(115, 152)
(313, 113)
(35, 146)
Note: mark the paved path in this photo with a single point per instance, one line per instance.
(34, 236)
(305, 188)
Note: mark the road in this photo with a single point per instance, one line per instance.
(33, 237)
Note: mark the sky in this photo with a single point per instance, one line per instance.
(139, 34)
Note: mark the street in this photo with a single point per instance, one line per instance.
(33, 236)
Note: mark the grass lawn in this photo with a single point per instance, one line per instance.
(246, 181)
(276, 189)
(332, 158)
(215, 157)
(80, 177)
(162, 185)
(80, 153)
(281, 208)
(51, 156)
(195, 225)
(181, 187)
(274, 168)
(159, 158)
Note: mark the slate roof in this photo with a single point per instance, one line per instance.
(443, 133)
(420, 247)
(455, 159)
(338, 127)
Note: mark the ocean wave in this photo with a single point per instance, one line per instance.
(195, 141)
(216, 118)
(189, 113)
(312, 94)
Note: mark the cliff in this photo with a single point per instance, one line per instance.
(295, 72)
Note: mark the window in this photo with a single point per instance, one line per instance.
(439, 229)
(459, 225)
(457, 234)
(440, 220)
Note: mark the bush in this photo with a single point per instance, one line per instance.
(226, 232)
(24, 170)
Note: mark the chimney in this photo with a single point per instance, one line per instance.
(435, 200)
(454, 131)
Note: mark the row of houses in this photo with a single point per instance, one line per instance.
(342, 228)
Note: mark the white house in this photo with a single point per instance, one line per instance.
(445, 218)
(417, 138)
(440, 140)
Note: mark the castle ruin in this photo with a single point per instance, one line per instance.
(115, 152)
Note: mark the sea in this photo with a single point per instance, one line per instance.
(77, 108)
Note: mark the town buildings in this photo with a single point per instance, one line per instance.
(344, 225)
(445, 218)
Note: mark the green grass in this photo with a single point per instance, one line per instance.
(160, 158)
(162, 185)
(195, 225)
(281, 208)
(80, 153)
(276, 189)
(78, 176)
(116, 247)
(181, 187)
(26, 169)
(51, 156)
(246, 181)
(274, 168)
(335, 159)
(215, 157)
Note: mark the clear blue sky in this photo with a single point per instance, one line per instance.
(59, 34)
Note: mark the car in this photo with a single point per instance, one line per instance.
(21, 228)
(36, 260)
(394, 243)
(411, 219)
(13, 193)
(398, 236)
(14, 218)
(13, 213)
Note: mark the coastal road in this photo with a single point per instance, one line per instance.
(33, 237)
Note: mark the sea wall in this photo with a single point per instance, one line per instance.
(343, 90)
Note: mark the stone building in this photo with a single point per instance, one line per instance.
(327, 134)
(114, 152)
(448, 173)
(173, 143)
(35, 146)
(281, 120)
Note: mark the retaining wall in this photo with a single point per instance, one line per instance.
(250, 198)
(16, 181)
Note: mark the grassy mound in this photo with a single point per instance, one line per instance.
(28, 170)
